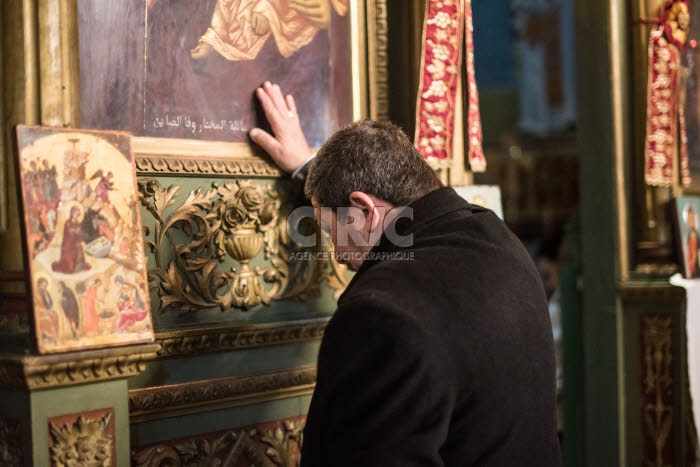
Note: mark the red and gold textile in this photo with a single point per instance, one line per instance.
(666, 126)
(447, 22)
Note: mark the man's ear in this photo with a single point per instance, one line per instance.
(366, 204)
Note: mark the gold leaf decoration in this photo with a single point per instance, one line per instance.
(86, 442)
(175, 399)
(225, 247)
(657, 386)
(285, 443)
(269, 444)
(69, 369)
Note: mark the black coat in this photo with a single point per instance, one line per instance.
(445, 359)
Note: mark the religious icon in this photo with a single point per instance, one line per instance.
(83, 238)
(687, 211)
(176, 69)
(487, 196)
(240, 28)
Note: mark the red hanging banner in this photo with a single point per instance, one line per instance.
(447, 22)
(666, 125)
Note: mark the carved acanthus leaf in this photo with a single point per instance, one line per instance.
(272, 444)
(85, 442)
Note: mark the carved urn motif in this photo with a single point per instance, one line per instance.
(243, 245)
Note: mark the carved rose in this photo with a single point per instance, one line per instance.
(235, 215)
(252, 198)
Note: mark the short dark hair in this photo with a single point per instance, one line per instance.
(376, 158)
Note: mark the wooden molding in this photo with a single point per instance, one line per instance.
(211, 340)
(185, 398)
(70, 369)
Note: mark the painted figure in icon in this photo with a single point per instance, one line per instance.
(70, 308)
(104, 186)
(72, 258)
(240, 28)
(41, 197)
(131, 304)
(91, 308)
(49, 185)
(48, 319)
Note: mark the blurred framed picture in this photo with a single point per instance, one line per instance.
(687, 216)
(487, 196)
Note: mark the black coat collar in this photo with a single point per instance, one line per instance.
(430, 207)
(434, 205)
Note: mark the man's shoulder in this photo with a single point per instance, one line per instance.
(379, 329)
(386, 287)
(373, 309)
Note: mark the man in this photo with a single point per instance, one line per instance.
(442, 356)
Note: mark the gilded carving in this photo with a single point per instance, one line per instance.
(156, 456)
(194, 243)
(175, 399)
(657, 381)
(58, 370)
(158, 164)
(204, 452)
(659, 270)
(285, 442)
(275, 444)
(88, 440)
(200, 341)
(381, 61)
(10, 442)
(650, 291)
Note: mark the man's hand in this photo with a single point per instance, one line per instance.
(288, 148)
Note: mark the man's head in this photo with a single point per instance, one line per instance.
(376, 158)
(363, 171)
